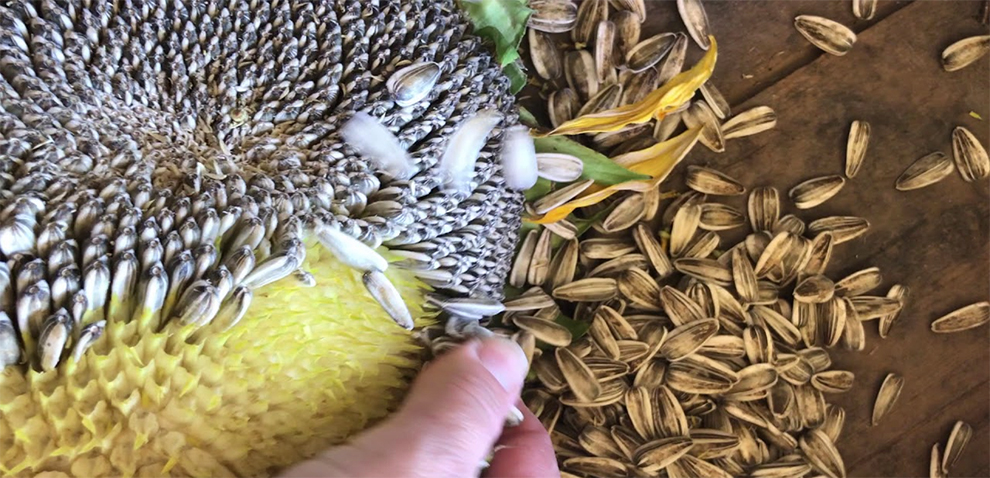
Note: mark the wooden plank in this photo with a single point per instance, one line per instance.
(758, 43)
(933, 240)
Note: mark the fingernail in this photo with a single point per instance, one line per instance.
(505, 360)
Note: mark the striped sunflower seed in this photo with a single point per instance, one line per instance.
(649, 52)
(764, 208)
(859, 139)
(715, 100)
(843, 228)
(686, 339)
(553, 16)
(673, 63)
(970, 157)
(562, 106)
(587, 290)
(890, 390)
(710, 181)
(859, 282)
(696, 20)
(547, 59)
(588, 15)
(544, 330)
(830, 36)
(749, 122)
(822, 454)
(604, 54)
(965, 52)
(900, 293)
(627, 32)
(969, 317)
(579, 68)
(578, 376)
(637, 286)
(707, 270)
(927, 170)
(814, 289)
(833, 381)
(815, 191)
(701, 114)
(958, 438)
(864, 9)
(720, 217)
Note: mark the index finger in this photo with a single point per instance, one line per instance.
(524, 451)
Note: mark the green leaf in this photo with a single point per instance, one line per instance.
(517, 77)
(501, 21)
(596, 165)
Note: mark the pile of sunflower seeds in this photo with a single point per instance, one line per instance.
(656, 349)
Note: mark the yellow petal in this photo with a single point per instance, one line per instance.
(655, 105)
(656, 161)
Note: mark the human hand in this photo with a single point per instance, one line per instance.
(451, 419)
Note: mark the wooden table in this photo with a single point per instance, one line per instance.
(934, 240)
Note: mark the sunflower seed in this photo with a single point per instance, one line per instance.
(708, 270)
(532, 299)
(890, 390)
(520, 268)
(649, 52)
(958, 438)
(870, 307)
(833, 381)
(820, 253)
(832, 37)
(935, 465)
(562, 106)
(859, 139)
(696, 20)
(970, 157)
(764, 208)
(627, 29)
(640, 289)
(822, 454)
(595, 466)
(414, 83)
(656, 455)
(719, 217)
(539, 264)
(604, 54)
(607, 98)
(563, 228)
(546, 58)
(679, 307)
(553, 16)
(743, 277)
(55, 335)
(685, 224)
(559, 167)
(710, 181)
(648, 244)
(814, 289)
(564, 264)
(587, 290)
(750, 122)
(702, 246)
(859, 282)
(579, 377)
(864, 9)
(640, 85)
(715, 100)
(688, 338)
(965, 52)
(665, 128)
(560, 196)
(588, 15)
(815, 191)
(701, 114)
(927, 170)
(579, 68)
(598, 442)
(966, 318)
(545, 331)
(606, 247)
(843, 228)
(900, 293)
(673, 63)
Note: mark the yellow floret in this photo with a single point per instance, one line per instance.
(306, 368)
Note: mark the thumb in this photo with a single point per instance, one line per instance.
(449, 422)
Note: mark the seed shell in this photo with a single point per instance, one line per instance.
(958, 438)
(890, 390)
(815, 191)
(859, 139)
(927, 170)
(969, 317)
(970, 156)
(965, 52)
(749, 122)
(696, 20)
(649, 52)
(830, 36)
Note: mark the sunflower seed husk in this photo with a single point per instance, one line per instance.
(684, 226)
(814, 289)
(579, 377)
(564, 264)
(606, 247)
(616, 267)
(673, 63)
(744, 277)
(607, 98)
(864, 9)
(831, 37)
(579, 68)
(563, 228)
(665, 128)
(587, 290)
(679, 307)
(696, 20)
(637, 286)
(603, 338)
(749, 122)
(553, 16)
(958, 438)
(764, 208)
(595, 466)
(710, 181)
(562, 106)
(648, 244)
(656, 455)
(414, 83)
(683, 200)
(965, 52)
(872, 307)
(547, 59)
(900, 293)
(55, 336)
(560, 196)
(649, 52)
(640, 85)
(859, 140)
(539, 264)
(927, 170)
(701, 114)
(702, 246)
(688, 338)
(588, 15)
(969, 155)
(822, 454)
(559, 167)
(781, 469)
(604, 50)
(815, 191)
(627, 32)
(520, 268)
(598, 442)
(719, 217)
(715, 100)
(833, 381)
(707, 270)
(820, 253)
(890, 390)
(935, 465)
(966, 318)
(843, 228)
(544, 330)
(859, 282)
